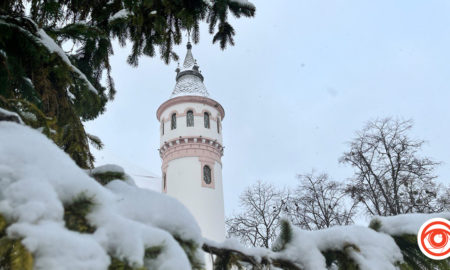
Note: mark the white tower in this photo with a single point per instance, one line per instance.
(191, 149)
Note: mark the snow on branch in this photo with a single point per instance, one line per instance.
(244, 3)
(121, 14)
(404, 224)
(45, 40)
(257, 257)
(368, 249)
(10, 116)
(51, 45)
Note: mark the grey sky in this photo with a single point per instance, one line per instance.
(302, 78)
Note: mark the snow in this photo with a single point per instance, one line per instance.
(29, 116)
(51, 45)
(120, 15)
(406, 223)
(71, 96)
(146, 206)
(96, 138)
(12, 114)
(189, 60)
(28, 80)
(189, 85)
(141, 177)
(369, 249)
(148, 182)
(108, 168)
(244, 2)
(112, 168)
(37, 179)
(208, 2)
(373, 250)
(86, 252)
(233, 244)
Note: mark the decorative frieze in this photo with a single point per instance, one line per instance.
(191, 147)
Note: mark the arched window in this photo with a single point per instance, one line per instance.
(206, 118)
(190, 119)
(207, 174)
(173, 124)
(218, 124)
(162, 127)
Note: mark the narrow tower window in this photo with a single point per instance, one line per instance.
(218, 124)
(164, 182)
(162, 127)
(207, 174)
(190, 119)
(174, 121)
(206, 118)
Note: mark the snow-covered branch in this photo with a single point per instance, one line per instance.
(34, 33)
(10, 116)
(258, 258)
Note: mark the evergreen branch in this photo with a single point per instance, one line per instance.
(75, 214)
(257, 262)
(95, 141)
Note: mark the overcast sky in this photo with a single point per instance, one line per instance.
(303, 77)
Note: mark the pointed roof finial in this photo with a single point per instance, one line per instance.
(189, 78)
(189, 59)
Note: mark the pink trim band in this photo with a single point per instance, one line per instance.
(184, 99)
(190, 139)
(198, 149)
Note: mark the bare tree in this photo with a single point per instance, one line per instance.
(320, 203)
(391, 177)
(262, 205)
(443, 202)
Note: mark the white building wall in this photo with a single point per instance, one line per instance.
(184, 182)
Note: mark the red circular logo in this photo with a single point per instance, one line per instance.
(434, 238)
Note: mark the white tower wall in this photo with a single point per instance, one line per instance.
(185, 150)
(206, 204)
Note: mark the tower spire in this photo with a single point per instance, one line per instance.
(189, 60)
(189, 78)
